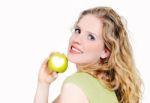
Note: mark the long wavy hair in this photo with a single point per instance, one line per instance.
(118, 71)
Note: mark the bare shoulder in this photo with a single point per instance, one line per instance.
(71, 93)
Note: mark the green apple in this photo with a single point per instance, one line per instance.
(58, 62)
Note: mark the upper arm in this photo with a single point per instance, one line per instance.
(72, 94)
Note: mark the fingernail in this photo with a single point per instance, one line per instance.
(55, 75)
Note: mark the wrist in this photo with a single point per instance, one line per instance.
(43, 84)
(42, 93)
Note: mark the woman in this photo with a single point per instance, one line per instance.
(100, 48)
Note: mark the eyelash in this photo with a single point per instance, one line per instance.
(78, 31)
(91, 37)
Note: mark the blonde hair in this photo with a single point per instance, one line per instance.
(118, 71)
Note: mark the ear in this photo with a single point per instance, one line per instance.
(105, 53)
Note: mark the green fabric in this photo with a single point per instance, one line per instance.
(95, 91)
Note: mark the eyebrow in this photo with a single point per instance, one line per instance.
(77, 26)
(86, 31)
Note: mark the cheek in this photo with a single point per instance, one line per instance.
(94, 48)
(70, 40)
(94, 51)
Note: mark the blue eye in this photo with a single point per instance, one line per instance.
(91, 37)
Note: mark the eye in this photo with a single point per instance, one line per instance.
(77, 30)
(91, 37)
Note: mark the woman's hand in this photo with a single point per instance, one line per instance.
(46, 76)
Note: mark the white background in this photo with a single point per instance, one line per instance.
(31, 29)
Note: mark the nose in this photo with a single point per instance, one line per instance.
(78, 39)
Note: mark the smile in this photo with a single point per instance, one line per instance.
(75, 50)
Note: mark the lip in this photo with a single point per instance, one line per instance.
(75, 50)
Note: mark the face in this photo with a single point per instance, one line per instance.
(86, 44)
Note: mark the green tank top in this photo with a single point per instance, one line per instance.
(94, 90)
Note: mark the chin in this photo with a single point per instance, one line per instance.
(74, 60)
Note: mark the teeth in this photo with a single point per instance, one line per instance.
(74, 49)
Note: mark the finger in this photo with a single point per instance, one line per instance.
(52, 77)
(45, 62)
(55, 75)
(51, 54)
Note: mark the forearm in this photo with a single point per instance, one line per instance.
(42, 93)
